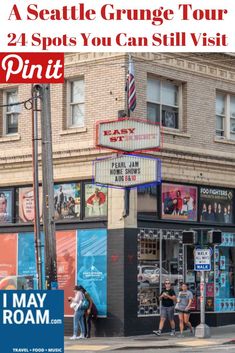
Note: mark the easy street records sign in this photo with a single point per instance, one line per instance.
(127, 171)
(128, 135)
(202, 260)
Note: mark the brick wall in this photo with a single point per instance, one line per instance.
(191, 154)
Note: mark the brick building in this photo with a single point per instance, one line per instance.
(193, 96)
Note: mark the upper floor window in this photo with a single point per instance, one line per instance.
(225, 115)
(11, 112)
(163, 102)
(76, 104)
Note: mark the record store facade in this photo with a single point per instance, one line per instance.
(123, 258)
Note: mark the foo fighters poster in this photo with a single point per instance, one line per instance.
(216, 205)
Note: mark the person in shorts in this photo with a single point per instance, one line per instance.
(184, 301)
(167, 298)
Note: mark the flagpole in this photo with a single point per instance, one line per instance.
(127, 191)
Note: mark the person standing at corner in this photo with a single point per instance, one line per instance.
(167, 298)
(90, 313)
(184, 301)
(78, 320)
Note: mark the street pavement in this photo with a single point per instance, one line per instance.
(222, 340)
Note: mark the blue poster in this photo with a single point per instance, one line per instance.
(92, 266)
(32, 321)
(26, 255)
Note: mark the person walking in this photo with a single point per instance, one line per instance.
(184, 301)
(78, 320)
(167, 298)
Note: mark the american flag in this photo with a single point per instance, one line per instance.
(131, 87)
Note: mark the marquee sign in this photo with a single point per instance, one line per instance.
(128, 135)
(127, 171)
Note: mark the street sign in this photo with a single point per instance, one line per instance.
(202, 260)
(127, 171)
(128, 135)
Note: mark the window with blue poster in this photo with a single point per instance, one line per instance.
(26, 256)
(224, 260)
(92, 265)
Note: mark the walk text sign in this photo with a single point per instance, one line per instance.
(202, 260)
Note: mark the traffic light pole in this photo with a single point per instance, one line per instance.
(195, 236)
(202, 330)
(48, 188)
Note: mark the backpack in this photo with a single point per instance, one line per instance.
(85, 304)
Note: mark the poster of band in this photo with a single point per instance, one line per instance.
(95, 200)
(67, 201)
(5, 206)
(26, 204)
(179, 202)
(216, 205)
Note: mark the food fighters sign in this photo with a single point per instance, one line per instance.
(127, 171)
(128, 135)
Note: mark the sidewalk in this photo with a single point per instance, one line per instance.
(219, 336)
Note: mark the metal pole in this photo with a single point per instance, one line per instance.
(160, 260)
(160, 264)
(202, 299)
(37, 234)
(126, 211)
(202, 330)
(48, 189)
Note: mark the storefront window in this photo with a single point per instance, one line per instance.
(25, 203)
(220, 281)
(224, 258)
(92, 265)
(160, 257)
(72, 202)
(192, 278)
(216, 205)
(179, 202)
(147, 201)
(95, 200)
(170, 258)
(67, 201)
(81, 259)
(6, 206)
(148, 273)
